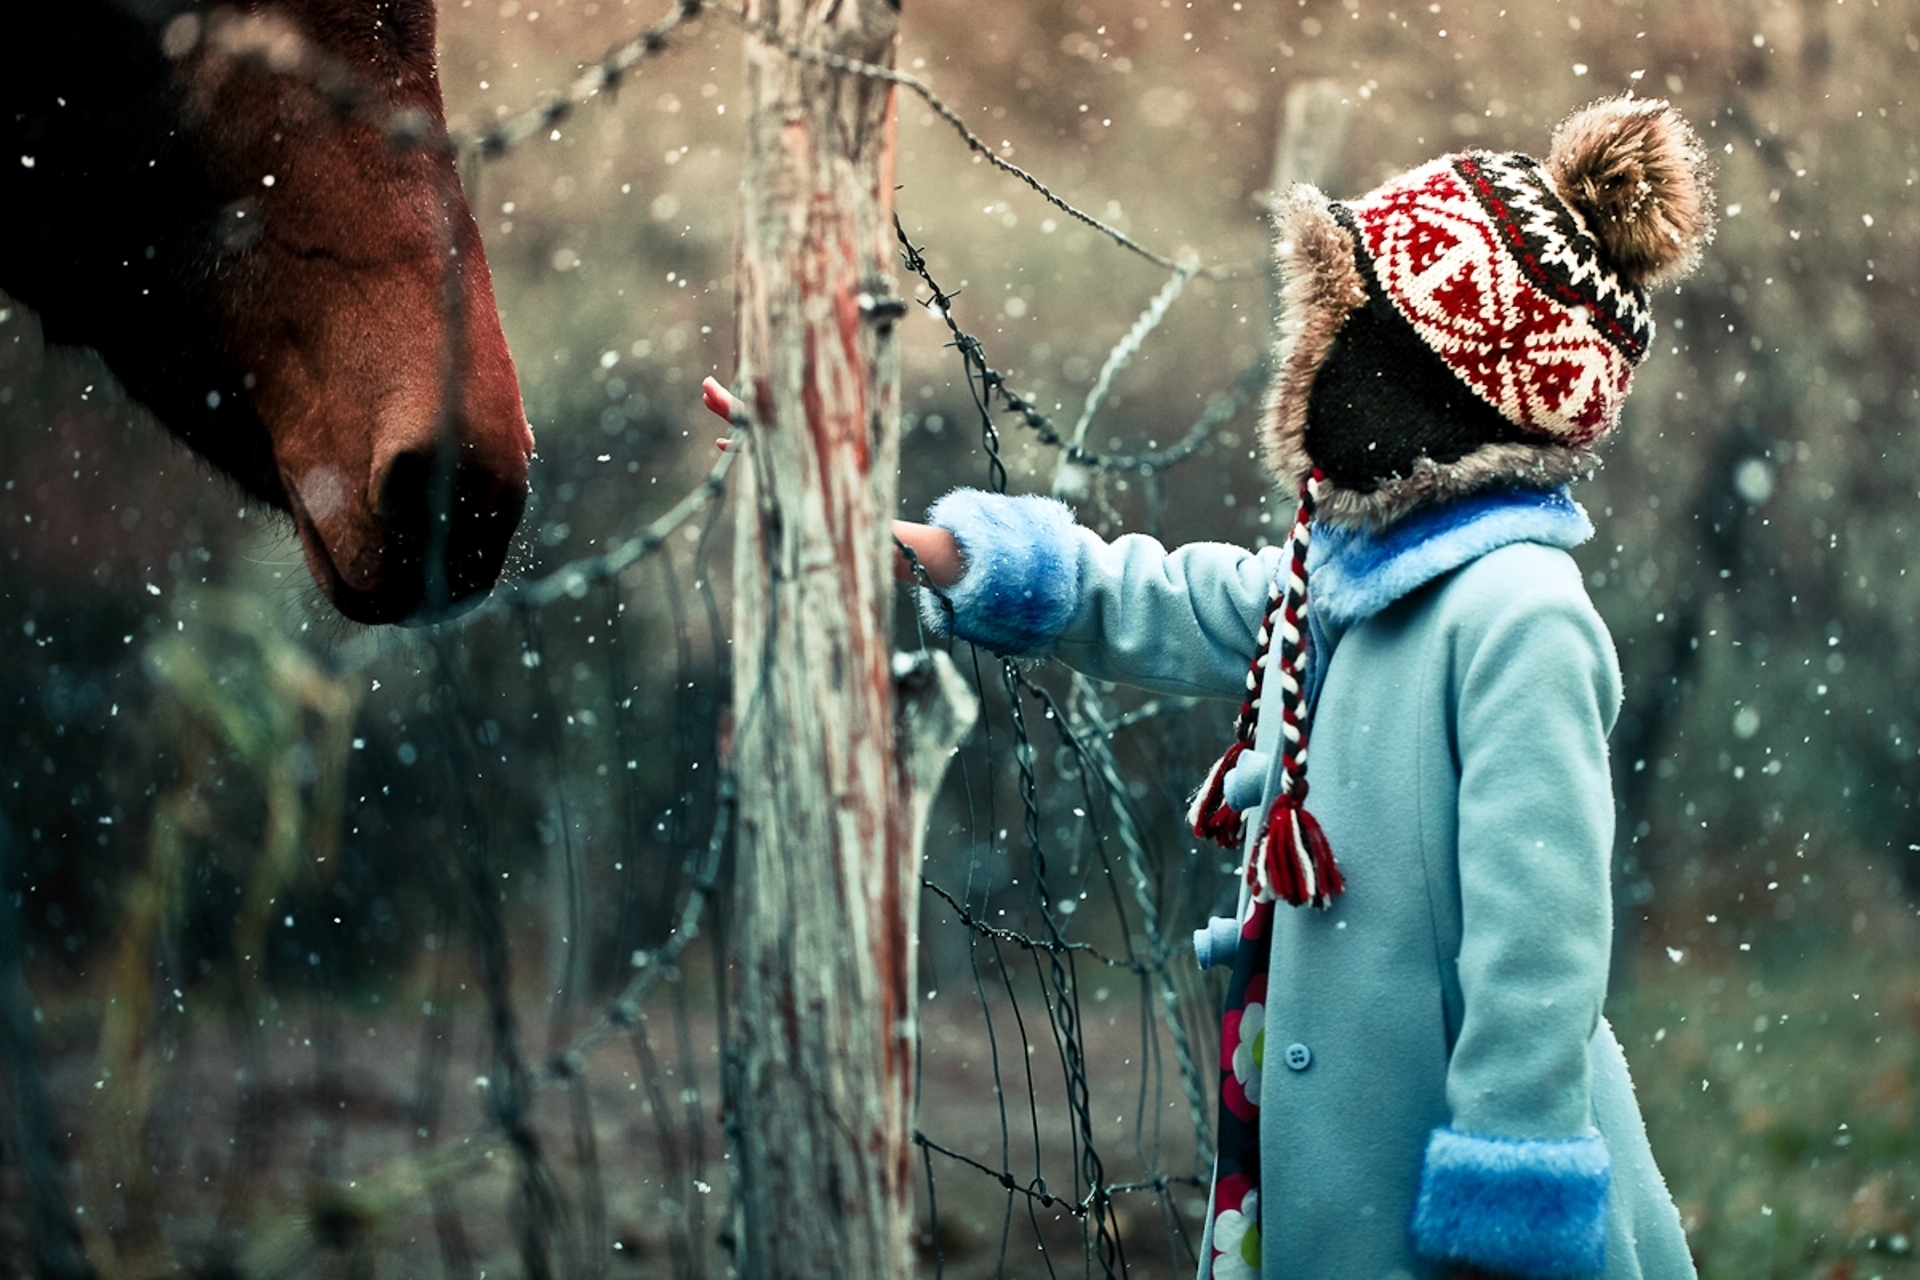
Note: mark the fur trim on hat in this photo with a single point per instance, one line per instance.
(1622, 205)
(1536, 466)
(1320, 285)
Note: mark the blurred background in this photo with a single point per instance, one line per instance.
(245, 841)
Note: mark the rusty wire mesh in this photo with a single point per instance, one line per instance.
(287, 1133)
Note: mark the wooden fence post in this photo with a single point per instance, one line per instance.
(826, 875)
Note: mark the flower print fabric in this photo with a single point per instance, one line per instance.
(1236, 1231)
(1243, 1044)
(1235, 1240)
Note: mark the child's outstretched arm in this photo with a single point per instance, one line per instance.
(1039, 584)
(935, 548)
(1018, 575)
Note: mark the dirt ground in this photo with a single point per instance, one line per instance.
(312, 1161)
(1777, 1079)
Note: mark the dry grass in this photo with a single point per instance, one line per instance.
(1775, 1068)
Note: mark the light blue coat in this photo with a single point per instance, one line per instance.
(1459, 1095)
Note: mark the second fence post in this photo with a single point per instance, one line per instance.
(826, 883)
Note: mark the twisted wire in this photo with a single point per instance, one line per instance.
(987, 383)
(975, 143)
(600, 76)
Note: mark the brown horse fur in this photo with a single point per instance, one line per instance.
(252, 214)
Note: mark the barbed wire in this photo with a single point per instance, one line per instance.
(975, 143)
(273, 42)
(429, 1167)
(497, 139)
(1095, 751)
(1025, 942)
(1124, 351)
(540, 1205)
(651, 967)
(571, 580)
(1065, 1002)
(610, 69)
(989, 384)
(1058, 977)
(1035, 1189)
(1151, 709)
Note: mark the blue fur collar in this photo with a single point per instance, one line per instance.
(1355, 573)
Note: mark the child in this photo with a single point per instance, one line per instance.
(1415, 1077)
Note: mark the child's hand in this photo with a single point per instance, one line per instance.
(719, 401)
(936, 549)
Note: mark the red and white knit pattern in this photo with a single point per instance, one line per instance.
(1554, 246)
(1548, 355)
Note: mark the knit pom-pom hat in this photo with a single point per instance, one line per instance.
(1477, 320)
(1472, 323)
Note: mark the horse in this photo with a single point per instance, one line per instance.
(252, 213)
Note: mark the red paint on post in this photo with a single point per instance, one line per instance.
(827, 863)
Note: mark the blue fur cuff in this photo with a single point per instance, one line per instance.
(1022, 584)
(1523, 1207)
(1357, 572)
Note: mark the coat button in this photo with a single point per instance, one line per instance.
(1299, 1057)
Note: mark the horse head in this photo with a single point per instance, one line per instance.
(252, 212)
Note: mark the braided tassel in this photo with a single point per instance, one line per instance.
(1291, 859)
(1210, 816)
(1293, 855)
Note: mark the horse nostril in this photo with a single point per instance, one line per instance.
(402, 493)
(466, 517)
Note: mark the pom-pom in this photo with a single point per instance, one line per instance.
(1637, 174)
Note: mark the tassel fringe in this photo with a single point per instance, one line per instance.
(1209, 815)
(1293, 861)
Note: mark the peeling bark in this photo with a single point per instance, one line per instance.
(827, 876)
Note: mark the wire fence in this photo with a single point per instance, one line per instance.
(1085, 730)
(301, 1129)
